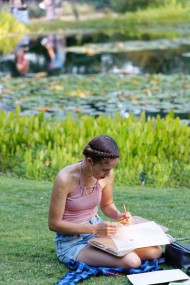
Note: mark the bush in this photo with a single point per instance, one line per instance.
(123, 6)
(8, 26)
(35, 147)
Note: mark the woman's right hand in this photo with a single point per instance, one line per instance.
(106, 229)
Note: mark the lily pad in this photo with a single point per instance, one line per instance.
(114, 94)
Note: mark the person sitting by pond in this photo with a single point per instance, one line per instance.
(55, 47)
(48, 5)
(21, 62)
(77, 192)
(19, 10)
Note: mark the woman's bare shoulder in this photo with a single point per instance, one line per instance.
(67, 176)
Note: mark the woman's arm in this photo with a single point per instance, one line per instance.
(57, 206)
(107, 204)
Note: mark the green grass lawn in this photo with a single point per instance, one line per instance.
(166, 21)
(27, 245)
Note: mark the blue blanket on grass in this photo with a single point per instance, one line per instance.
(82, 271)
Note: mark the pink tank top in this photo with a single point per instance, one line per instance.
(81, 206)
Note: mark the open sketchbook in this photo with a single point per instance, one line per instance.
(137, 235)
(140, 235)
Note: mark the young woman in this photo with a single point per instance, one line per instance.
(73, 214)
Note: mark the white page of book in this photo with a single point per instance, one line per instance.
(140, 235)
(157, 277)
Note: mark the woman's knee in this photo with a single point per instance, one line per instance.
(135, 263)
(132, 260)
(156, 252)
(149, 253)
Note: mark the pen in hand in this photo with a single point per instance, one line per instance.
(125, 211)
(125, 219)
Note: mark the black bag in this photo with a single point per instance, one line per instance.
(178, 255)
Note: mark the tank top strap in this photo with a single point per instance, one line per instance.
(80, 181)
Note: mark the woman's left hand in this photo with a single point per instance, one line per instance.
(125, 218)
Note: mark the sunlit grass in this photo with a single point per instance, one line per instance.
(155, 23)
(27, 246)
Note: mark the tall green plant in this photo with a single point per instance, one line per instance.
(38, 148)
(11, 32)
(134, 5)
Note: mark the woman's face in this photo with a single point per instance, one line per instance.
(102, 170)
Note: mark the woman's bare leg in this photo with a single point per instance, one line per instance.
(95, 257)
(149, 253)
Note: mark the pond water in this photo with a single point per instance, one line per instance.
(34, 56)
(134, 57)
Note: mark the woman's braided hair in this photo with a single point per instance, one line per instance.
(101, 147)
